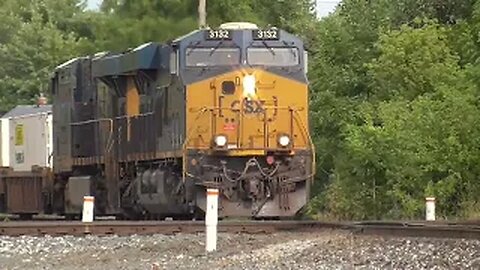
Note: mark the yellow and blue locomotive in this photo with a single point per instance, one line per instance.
(146, 131)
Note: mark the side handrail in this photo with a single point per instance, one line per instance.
(109, 144)
(202, 111)
(296, 117)
(310, 140)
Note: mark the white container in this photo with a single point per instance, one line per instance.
(27, 137)
(430, 208)
(5, 142)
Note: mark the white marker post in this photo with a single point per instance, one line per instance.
(430, 208)
(211, 219)
(88, 205)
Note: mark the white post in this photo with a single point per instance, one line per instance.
(88, 205)
(430, 208)
(202, 13)
(211, 219)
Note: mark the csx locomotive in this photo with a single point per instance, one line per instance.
(146, 131)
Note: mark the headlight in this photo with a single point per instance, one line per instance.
(284, 140)
(220, 140)
(249, 86)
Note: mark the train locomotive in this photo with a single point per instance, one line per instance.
(148, 130)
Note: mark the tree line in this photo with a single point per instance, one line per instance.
(394, 86)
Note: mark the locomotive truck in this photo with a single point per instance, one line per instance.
(148, 130)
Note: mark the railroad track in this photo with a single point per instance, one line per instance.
(467, 230)
(16, 228)
(389, 229)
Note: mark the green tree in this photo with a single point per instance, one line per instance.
(129, 23)
(412, 136)
(413, 62)
(32, 46)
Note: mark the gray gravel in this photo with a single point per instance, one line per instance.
(325, 250)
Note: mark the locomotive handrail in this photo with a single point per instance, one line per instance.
(134, 115)
(79, 123)
(297, 118)
(187, 139)
(306, 135)
(109, 143)
(110, 120)
(312, 145)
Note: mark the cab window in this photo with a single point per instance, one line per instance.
(207, 57)
(273, 56)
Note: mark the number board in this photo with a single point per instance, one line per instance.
(218, 34)
(266, 34)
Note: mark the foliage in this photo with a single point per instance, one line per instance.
(32, 45)
(132, 22)
(410, 130)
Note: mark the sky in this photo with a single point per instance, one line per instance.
(94, 4)
(323, 6)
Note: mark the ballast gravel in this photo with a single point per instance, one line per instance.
(322, 250)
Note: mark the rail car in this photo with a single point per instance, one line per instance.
(146, 131)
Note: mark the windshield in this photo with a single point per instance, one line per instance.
(273, 56)
(205, 57)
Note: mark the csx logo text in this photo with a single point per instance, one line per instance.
(249, 106)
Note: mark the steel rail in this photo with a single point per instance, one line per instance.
(17, 228)
(437, 229)
(468, 230)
